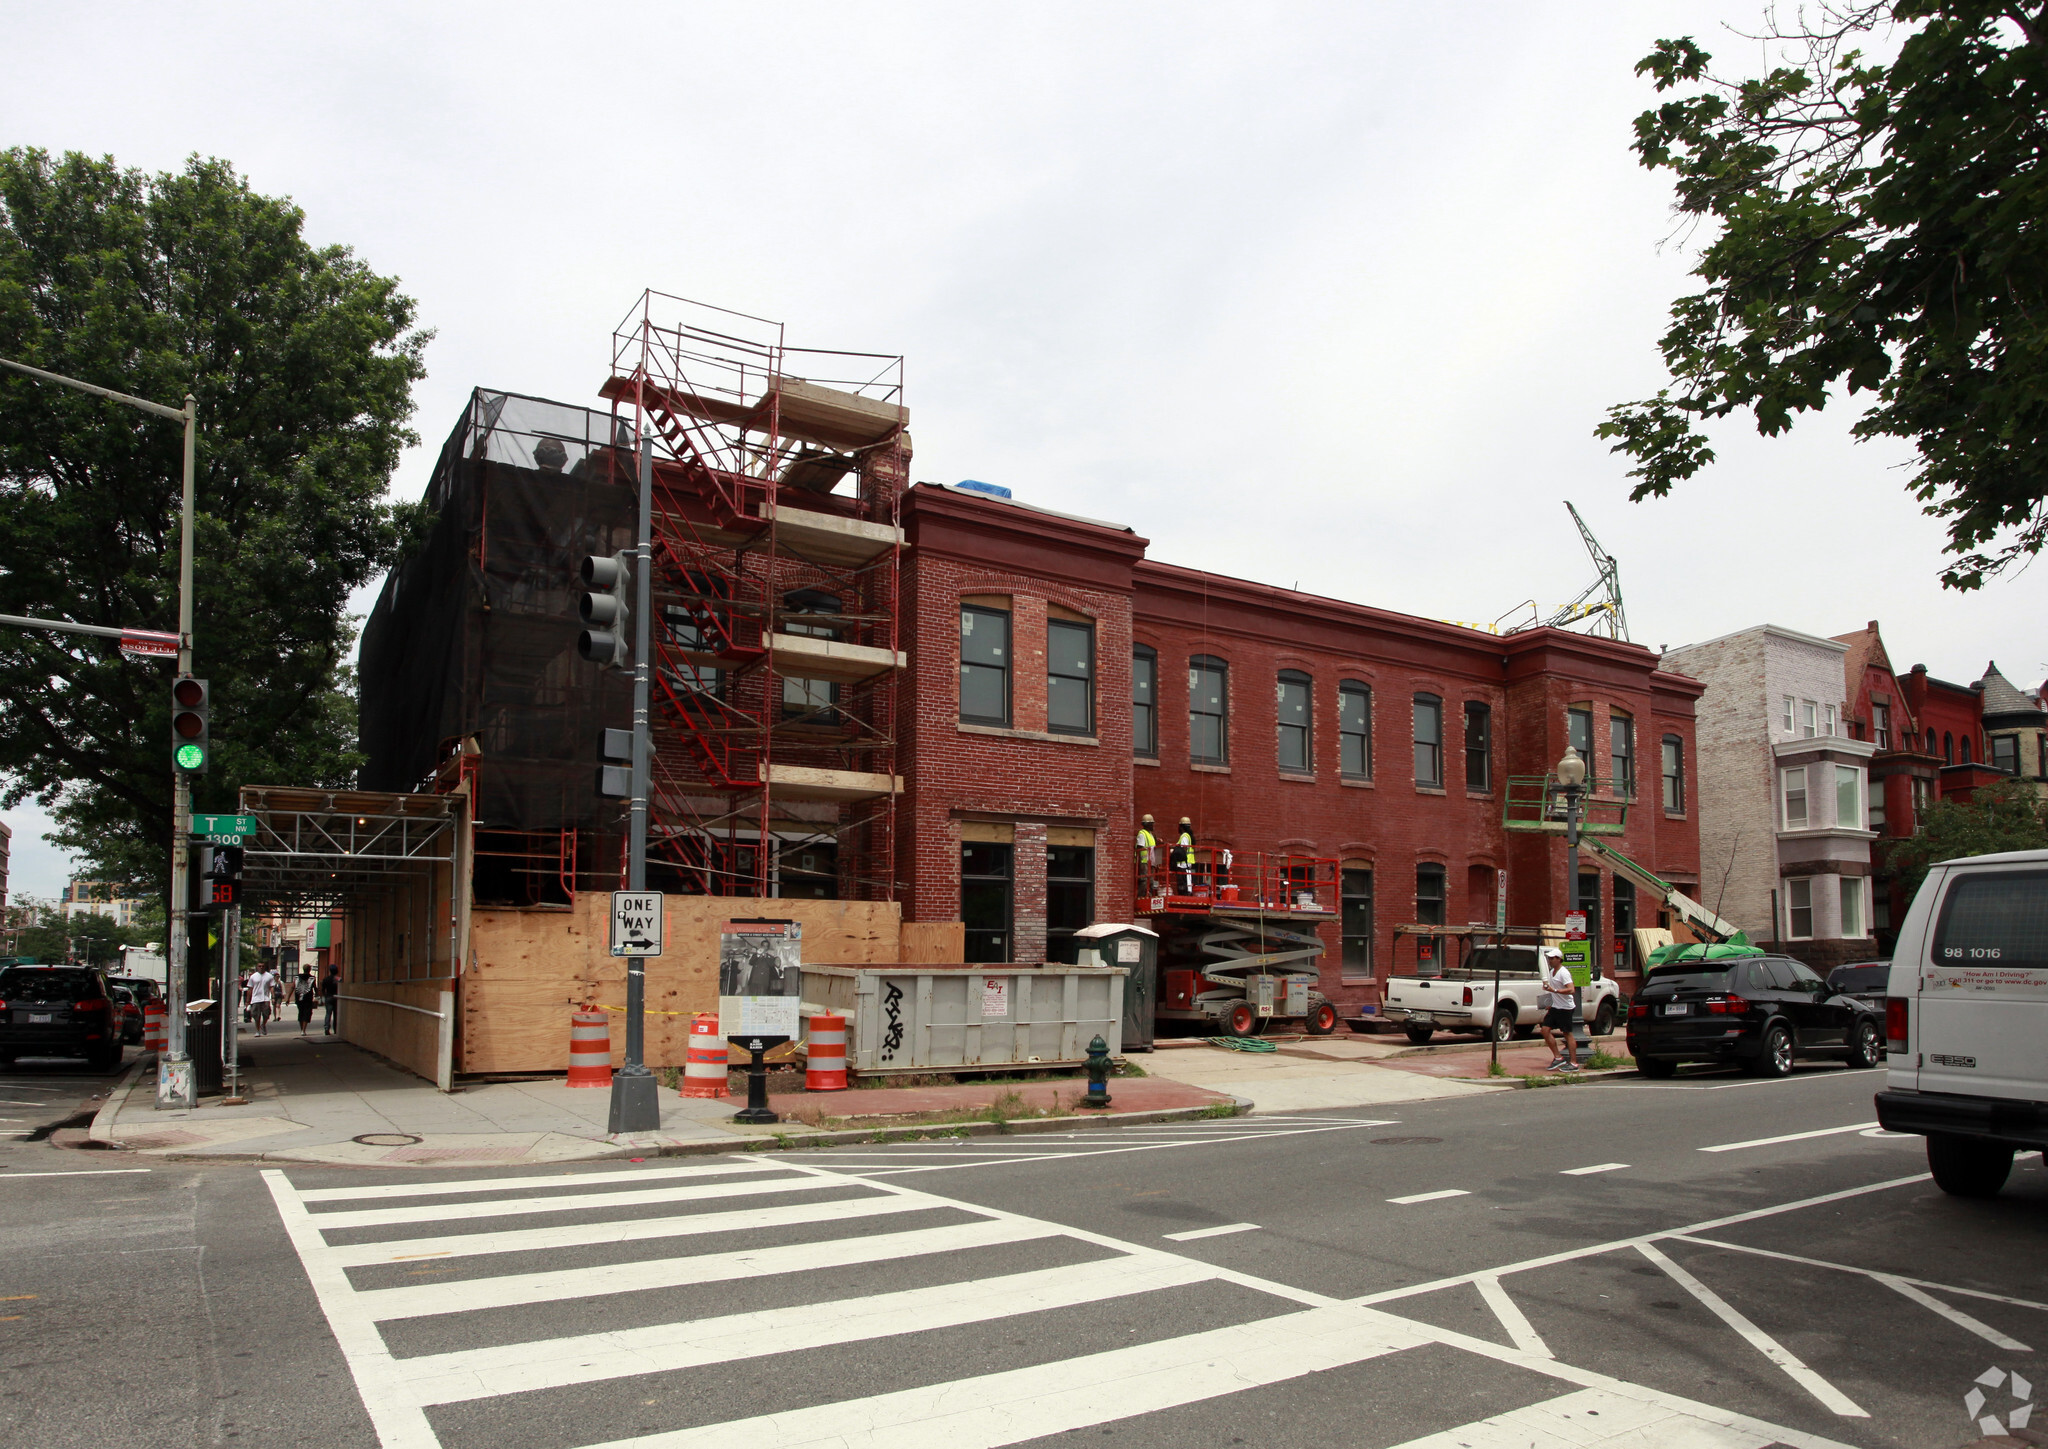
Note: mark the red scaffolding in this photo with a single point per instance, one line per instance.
(778, 542)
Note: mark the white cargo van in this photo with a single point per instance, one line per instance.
(1966, 1019)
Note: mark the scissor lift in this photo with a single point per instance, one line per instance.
(1237, 939)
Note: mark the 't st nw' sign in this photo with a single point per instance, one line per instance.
(636, 923)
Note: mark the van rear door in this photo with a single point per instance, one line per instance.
(1983, 991)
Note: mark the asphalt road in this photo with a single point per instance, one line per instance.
(1568, 1266)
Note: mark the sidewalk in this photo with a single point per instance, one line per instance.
(318, 1099)
(1312, 1074)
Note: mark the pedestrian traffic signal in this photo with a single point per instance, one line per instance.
(220, 877)
(191, 703)
(604, 642)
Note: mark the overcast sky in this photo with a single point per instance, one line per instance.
(1321, 295)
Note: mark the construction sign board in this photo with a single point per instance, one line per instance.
(636, 923)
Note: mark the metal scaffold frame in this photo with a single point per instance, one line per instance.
(777, 645)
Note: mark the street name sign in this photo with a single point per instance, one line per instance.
(224, 829)
(636, 923)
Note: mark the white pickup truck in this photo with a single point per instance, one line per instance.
(1463, 1000)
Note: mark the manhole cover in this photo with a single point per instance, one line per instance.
(1379, 1141)
(387, 1139)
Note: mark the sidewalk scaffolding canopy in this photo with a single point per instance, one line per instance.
(332, 852)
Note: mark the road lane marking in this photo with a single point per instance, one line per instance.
(1589, 1171)
(827, 1156)
(1954, 1315)
(448, 1378)
(1686, 1237)
(86, 1172)
(1519, 1329)
(1442, 1192)
(717, 1168)
(1189, 1237)
(1788, 1137)
(1795, 1368)
(573, 1202)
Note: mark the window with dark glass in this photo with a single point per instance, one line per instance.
(2005, 752)
(1478, 746)
(1964, 745)
(809, 700)
(1292, 701)
(1354, 889)
(1429, 740)
(1621, 745)
(1674, 773)
(1624, 923)
(1069, 677)
(1589, 901)
(691, 631)
(1429, 895)
(1578, 733)
(1145, 702)
(1069, 899)
(1208, 711)
(1354, 730)
(1948, 747)
(984, 665)
(810, 870)
(986, 897)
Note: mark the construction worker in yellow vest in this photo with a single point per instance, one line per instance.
(1148, 852)
(1183, 858)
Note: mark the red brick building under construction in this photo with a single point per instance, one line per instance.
(869, 690)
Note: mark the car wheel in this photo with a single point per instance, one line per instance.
(1321, 1019)
(1656, 1067)
(1420, 1034)
(1866, 1045)
(1504, 1024)
(1603, 1020)
(1967, 1167)
(1775, 1057)
(1241, 1021)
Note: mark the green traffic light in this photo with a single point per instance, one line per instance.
(190, 757)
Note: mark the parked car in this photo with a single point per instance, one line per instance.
(1966, 1017)
(144, 988)
(1864, 980)
(58, 1011)
(1461, 999)
(131, 1014)
(1763, 1012)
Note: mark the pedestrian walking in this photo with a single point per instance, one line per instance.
(330, 992)
(263, 990)
(304, 996)
(1558, 999)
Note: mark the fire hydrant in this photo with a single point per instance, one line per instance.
(1098, 1074)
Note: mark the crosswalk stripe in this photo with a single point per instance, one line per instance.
(449, 1378)
(574, 1202)
(1586, 1420)
(511, 1290)
(1075, 1393)
(630, 1230)
(721, 1167)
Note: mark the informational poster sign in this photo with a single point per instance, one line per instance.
(1578, 959)
(760, 980)
(995, 996)
(1129, 952)
(1575, 923)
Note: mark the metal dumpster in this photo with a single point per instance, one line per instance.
(918, 1018)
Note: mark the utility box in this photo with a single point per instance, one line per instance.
(1136, 950)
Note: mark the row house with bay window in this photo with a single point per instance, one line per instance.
(1061, 685)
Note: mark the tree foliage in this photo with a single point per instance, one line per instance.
(1875, 228)
(302, 360)
(2007, 815)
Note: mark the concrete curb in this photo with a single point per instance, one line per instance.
(102, 1130)
(786, 1142)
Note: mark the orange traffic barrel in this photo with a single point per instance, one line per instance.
(704, 1072)
(825, 1055)
(155, 1027)
(590, 1049)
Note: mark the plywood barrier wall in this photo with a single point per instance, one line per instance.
(933, 942)
(530, 969)
(405, 1037)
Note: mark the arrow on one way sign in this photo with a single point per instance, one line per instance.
(636, 923)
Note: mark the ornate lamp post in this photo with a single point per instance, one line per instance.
(1571, 781)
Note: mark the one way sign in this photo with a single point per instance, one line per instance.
(636, 923)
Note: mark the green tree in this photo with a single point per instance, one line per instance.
(2007, 815)
(303, 361)
(1874, 228)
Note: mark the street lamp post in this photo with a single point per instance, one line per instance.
(1571, 779)
(174, 1077)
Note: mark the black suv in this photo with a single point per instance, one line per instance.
(58, 1011)
(1761, 1011)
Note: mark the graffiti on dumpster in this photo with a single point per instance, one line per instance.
(892, 1007)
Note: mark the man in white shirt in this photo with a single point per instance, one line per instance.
(262, 989)
(1558, 1000)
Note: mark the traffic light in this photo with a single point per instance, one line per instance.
(191, 703)
(220, 877)
(604, 642)
(615, 779)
